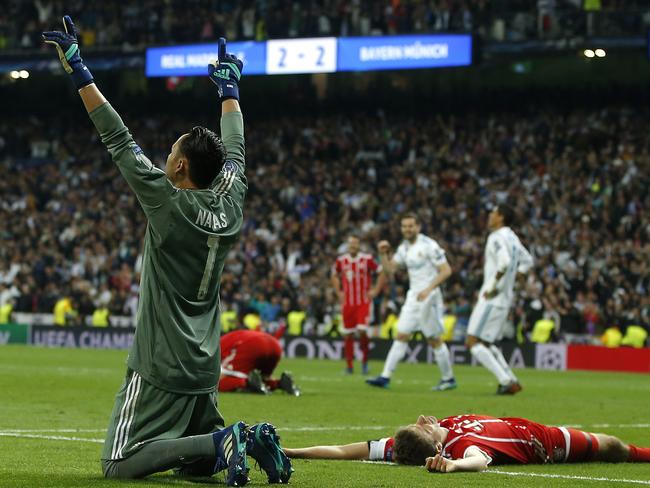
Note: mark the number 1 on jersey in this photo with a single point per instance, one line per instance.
(213, 245)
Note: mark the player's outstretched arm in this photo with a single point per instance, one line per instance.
(354, 451)
(148, 182)
(67, 46)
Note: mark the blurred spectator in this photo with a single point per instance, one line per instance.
(101, 317)
(6, 311)
(135, 25)
(65, 312)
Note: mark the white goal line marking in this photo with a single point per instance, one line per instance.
(567, 477)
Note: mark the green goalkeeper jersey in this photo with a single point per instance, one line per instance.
(188, 236)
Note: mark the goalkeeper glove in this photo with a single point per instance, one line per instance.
(68, 48)
(225, 72)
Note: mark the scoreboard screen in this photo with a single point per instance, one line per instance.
(318, 55)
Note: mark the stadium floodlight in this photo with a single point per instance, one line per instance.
(589, 53)
(24, 73)
(600, 53)
(15, 75)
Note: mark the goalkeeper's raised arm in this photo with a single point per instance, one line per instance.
(225, 73)
(195, 159)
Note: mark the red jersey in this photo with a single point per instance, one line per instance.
(356, 277)
(504, 440)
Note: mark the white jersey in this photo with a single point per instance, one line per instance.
(505, 253)
(422, 259)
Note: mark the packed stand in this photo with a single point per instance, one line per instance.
(111, 24)
(579, 182)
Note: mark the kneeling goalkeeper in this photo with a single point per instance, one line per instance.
(165, 414)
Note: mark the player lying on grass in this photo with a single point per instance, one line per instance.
(165, 415)
(248, 359)
(473, 442)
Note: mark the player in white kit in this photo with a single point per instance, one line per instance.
(423, 309)
(505, 259)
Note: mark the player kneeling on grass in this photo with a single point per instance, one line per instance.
(165, 415)
(248, 359)
(472, 442)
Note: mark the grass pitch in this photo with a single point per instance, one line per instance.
(55, 403)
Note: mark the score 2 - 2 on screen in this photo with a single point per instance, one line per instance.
(290, 56)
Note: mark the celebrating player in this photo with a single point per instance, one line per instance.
(473, 442)
(505, 259)
(165, 415)
(423, 309)
(352, 280)
(248, 358)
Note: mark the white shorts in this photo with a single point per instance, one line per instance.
(425, 316)
(487, 322)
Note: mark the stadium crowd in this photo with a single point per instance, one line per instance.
(71, 229)
(135, 25)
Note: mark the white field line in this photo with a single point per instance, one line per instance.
(541, 475)
(397, 381)
(339, 427)
(568, 477)
(60, 369)
(607, 426)
(50, 437)
(53, 430)
(341, 379)
(614, 426)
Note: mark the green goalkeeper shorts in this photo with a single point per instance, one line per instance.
(143, 413)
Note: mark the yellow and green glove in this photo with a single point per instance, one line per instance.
(225, 72)
(68, 48)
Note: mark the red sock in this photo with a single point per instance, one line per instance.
(272, 384)
(349, 350)
(280, 332)
(639, 454)
(364, 341)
